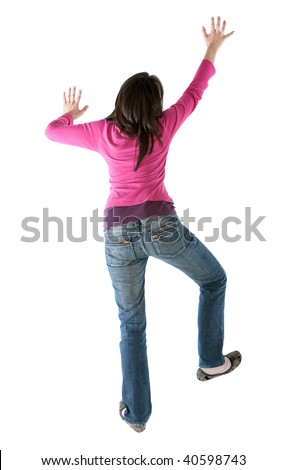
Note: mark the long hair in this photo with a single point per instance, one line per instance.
(138, 105)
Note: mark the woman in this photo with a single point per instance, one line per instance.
(141, 221)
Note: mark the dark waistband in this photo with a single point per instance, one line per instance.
(120, 215)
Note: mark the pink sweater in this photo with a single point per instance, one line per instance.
(127, 187)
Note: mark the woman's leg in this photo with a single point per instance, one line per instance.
(172, 242)
(128, 279)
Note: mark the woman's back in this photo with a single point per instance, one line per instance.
(129, 189)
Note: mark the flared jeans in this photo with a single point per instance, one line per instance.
(127, 249)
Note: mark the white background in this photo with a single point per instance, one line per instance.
(60, 362)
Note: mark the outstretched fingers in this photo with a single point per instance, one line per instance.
(70, 96)
(217, 35)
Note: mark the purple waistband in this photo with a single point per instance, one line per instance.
(123, 214)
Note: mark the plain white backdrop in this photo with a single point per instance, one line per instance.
(60, 362)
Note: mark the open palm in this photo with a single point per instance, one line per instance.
(216, 37)
(71, 103)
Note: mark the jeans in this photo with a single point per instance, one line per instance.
(127, 248)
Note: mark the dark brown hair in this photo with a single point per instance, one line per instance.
(138, 105)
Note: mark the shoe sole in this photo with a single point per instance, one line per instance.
(235, 359)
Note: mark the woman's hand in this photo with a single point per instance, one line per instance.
(71, 103)
(215, 38)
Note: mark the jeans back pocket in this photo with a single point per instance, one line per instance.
(119, 249)
(167, 236)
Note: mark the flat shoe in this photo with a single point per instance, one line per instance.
(135, 427)
(235, 359)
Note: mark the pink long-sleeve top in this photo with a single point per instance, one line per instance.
(141, 193)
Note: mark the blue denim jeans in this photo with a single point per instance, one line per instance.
(127, 249)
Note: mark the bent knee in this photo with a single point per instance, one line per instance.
(216, 281)
(223, 276)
